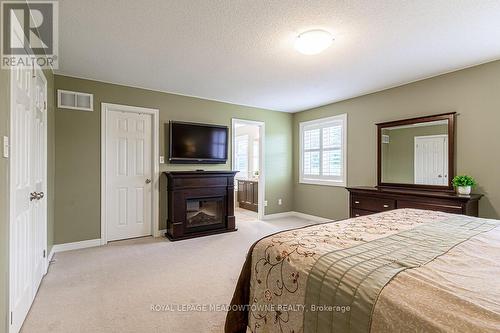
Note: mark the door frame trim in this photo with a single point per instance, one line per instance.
(155, 201)
(262, 158)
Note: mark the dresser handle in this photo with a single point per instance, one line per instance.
(386, 206)
(356, 202)
(356, 215)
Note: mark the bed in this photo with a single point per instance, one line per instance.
(396, 271)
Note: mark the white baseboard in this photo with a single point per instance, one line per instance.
(278, 216)
(51, 254)
(87, 243)
(312, 217)
(49, 259)
(297, 214)
(76, 245)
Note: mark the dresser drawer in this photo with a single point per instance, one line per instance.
(451, 207)
(382, 199)
(372, 204)
(360, 212)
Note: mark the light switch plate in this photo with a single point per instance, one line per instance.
(162, 159)
(6, 146)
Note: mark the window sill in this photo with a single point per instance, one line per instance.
(322, 182)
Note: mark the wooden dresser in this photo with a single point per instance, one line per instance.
(415, 169)
(366, 200)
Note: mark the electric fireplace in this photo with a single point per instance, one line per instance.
(199, 203)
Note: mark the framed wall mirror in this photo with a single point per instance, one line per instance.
(417, 152)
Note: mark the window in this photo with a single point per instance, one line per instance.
(241, 155)
(323, 147)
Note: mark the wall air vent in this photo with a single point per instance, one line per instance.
(75, 100)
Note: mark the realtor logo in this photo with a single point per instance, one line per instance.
(29, 33)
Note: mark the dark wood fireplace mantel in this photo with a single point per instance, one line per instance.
(199, 203)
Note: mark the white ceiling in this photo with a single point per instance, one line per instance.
(241, 51)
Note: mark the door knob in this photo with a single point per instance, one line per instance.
(440, 176)
(148, 181)
(40, 195)
(33, 196)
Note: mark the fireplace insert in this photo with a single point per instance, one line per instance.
(204, 213)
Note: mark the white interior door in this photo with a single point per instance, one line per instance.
(28, 212)
(431, 160)
(39, 176)
(128, 174)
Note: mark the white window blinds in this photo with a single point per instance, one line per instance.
(323, 144)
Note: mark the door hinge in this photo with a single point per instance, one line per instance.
(44, 253)
(11, 317)
(45, 106)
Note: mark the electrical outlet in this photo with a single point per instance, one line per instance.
(280, 202)
(265, 203)
(162, 159)
(6, 146)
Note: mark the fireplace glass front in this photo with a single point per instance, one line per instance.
(204, 212)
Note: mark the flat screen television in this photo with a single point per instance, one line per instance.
(197, 143)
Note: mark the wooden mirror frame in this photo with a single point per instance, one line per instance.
(450, 117)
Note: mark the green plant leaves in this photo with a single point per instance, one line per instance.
(463, 181)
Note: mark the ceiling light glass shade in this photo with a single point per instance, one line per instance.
(313, 41)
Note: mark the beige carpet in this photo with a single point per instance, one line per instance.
(112, 288)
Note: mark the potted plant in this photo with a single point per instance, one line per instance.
(463, 184)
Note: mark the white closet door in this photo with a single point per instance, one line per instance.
(39, 173)
(431, 160)
(128, 175)
(21, 233)
(28, 208)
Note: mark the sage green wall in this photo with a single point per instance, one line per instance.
(4, 201)
(474, 93)
(78, 149)
(399, 154)
(4, 186)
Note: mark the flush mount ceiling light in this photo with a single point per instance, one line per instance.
(313, 41)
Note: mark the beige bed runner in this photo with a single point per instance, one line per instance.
(355, 276)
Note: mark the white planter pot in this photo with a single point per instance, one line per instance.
(464, 190)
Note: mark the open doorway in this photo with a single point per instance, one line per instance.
(248, 159)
